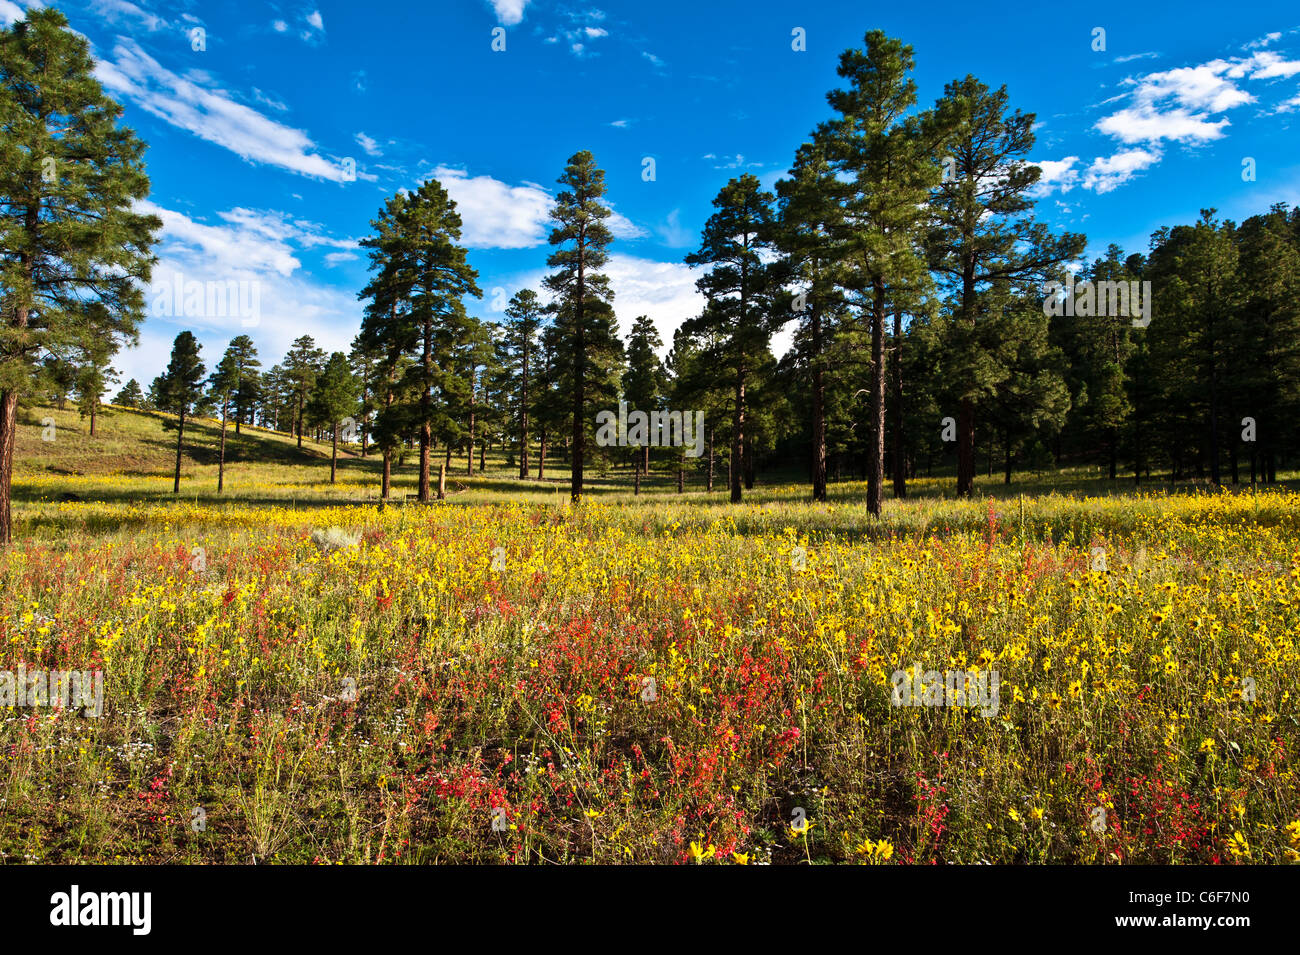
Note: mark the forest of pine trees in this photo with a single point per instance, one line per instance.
(903, 251)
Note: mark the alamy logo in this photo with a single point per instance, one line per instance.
(234, 298)
(658, 429)
(973, 688)
(1113, 299)
(70, 689)
(103, 908)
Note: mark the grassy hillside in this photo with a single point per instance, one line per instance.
(133, 454)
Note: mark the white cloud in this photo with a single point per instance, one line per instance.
(315, 20)
(663, 290)
(279, 26)
(1268, 66)
(211, 114)
(672, 232)
(1135, 56)
(596, 32)
(1145, 124)
(1263, 41)
(11, 12)
(1058, 175)
(624, 228)
(509, 12)
(654, 60)
(118, 10)
(1185, 104)
(371, 146)
(495, 214)
(1107, 173)
(250, 246)
(1289, 106)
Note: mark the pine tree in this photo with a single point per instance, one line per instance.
(69, 233)
(742, 287)
(422, 276)
(245, 396)
(1269, 346)
(1097, 350)
(223, 384)
(888, 160)
(579, 287)
(365, 358)
(524, 317)
(301, 366)
(810, 217)
(645, 382)
(93, 375)
(981, 230)
(130, 396)
(180, 389)
(333, 398)
(1196, 315)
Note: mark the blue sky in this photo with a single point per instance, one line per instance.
(255, 123)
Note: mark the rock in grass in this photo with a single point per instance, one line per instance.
(334, 538)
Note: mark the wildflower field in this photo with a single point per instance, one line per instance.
(653, 679)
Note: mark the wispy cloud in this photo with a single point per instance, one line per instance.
(509, 12)
(1110, 172)
(369, 144)
(1186, 104)
(211, 113)
(1136, 56)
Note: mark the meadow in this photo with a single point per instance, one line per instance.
(294, 675)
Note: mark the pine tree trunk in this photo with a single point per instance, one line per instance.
(636, 480)
(523, 422)
(442, 483)
(876, 428)
(469, 455)
(8, 427)
(426, 431)
(221, 455)
(579, 397)
(737, 439)
(966, 449)
(180, 436)
(334, 452)
(966, 414)
(541, 457)
(710, 460)
(387, 479)
(900, 456)
(818, 412)
(94, 406)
